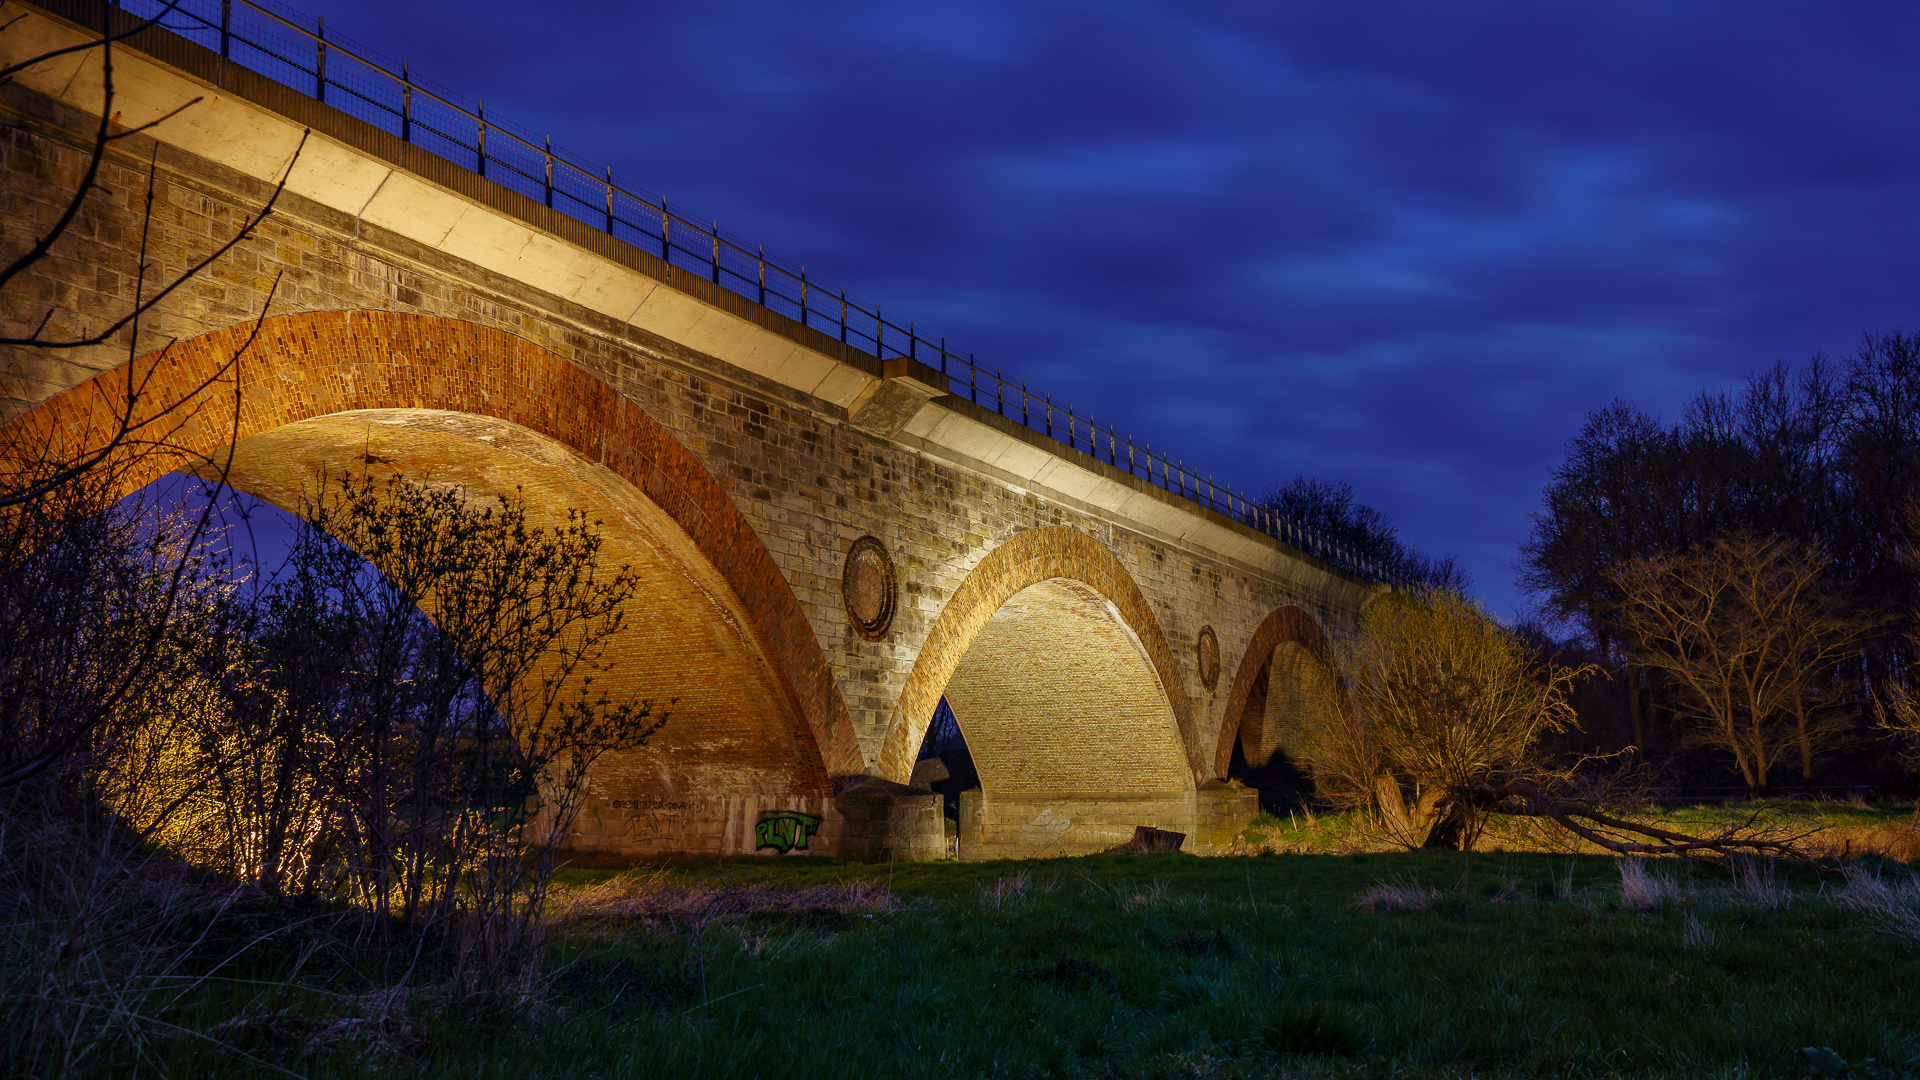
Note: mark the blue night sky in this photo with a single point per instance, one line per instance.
(1405, 245)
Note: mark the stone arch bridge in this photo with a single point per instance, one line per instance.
(830, 542)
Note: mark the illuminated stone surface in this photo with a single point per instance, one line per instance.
(460, 334)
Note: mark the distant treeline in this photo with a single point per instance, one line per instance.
(1768, 530)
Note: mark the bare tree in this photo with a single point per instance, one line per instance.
(1436, 718)
(1751, 630)
(134, 419)
(1435, 702)
(56, 478)
(416, 738)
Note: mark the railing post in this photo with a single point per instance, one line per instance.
(803, 295)
(913, 342)
(763, 275)
(1049, 400)
(226, 26)
(716, 253)
(481, 116)
(943, 355)
(879, 331)
(666, 243)
(843, 314)
(549, 157)
(320, 60)
(406, 102)
(973, 380)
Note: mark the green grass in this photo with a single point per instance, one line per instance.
(1850, 828)
(1170, 965)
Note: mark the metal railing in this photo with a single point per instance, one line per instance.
(297, 52)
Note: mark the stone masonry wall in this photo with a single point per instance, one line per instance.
(807, 482)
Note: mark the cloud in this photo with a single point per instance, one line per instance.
(1403, 244)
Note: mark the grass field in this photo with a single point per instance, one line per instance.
(1845, 829)
(1377, 965)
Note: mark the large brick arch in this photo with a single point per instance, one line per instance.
(1029, 559)
(1282, 625)
(313, 364)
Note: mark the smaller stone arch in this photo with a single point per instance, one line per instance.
(1043, 559)
(1287, 635)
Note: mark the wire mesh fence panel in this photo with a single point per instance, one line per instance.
(439, 128)
(366, 93)
(580, 194)
(636, 223)
(191, 21)
(516, 166)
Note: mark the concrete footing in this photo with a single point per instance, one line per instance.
(1037, 825)
(876, 820)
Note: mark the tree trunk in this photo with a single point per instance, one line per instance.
(1451, 828)
(1755, 781)
(1806, 745)
(1633, 706)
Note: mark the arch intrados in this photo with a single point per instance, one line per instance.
(1281, 625)
(1030, 558)
(300, 367)
(684, 634)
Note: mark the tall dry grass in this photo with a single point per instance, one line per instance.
(96, 933)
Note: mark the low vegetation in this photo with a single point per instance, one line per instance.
(1835, 831)
(1406, 964)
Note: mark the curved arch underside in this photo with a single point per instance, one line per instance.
(734, 730)
(304, 367)
(1037, 556)
(1057, 698)
(1267, 704)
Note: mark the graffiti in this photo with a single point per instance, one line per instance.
(784, 830)
(1045, 829)
(649, 804)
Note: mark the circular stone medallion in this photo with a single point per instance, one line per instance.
(868, 587)
(1208, 648)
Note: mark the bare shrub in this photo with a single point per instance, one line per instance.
(414, 739)
(1433, 702)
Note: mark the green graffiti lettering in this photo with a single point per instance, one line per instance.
(784, 830)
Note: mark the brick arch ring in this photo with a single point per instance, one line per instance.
(1279, 627)
(1032, 557)
(313, 364)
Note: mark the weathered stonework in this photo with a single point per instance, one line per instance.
(755, 451)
